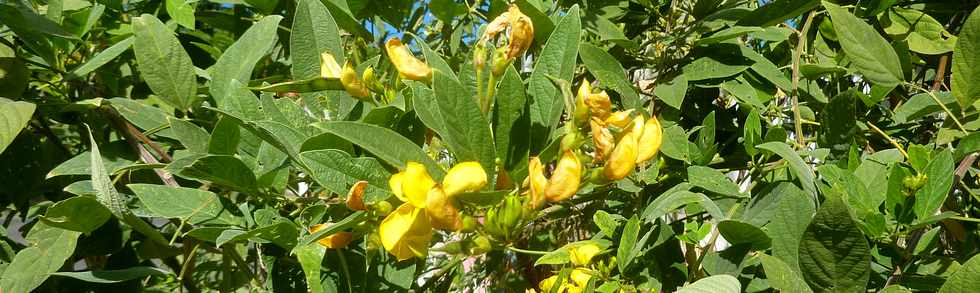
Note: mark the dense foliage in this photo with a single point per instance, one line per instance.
(443, 145)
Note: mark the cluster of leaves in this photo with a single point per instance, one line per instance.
(808, 146)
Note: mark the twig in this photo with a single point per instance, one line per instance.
(889, 138)
(940, 103)
(132, 136)
(800, 46)
(188, 265)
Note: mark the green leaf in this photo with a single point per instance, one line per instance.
(143, 115)
(627, 244)
(923, 33)
(777, 11)
(314, 31)
(114, 276)
(193, 137)
(446, 10)
(966, 62)
(727, 34)
(163, 63)
(467, 129)
(387, 145)
(752, 132)
(13, 117)
(80, 213)
(838, 127)
(557, 59)
(939, 174)
(713, 284)
(282, 234)
(738, 232)
(789, 220)
(116, 156)
(240, 58)
(834, 255)
(676, 198)
(224, 137)
(337, 171)
(712, 180)
(607, 223)
(796, 164)
(48, 249)
(610, 73)
(781, 277)
(709, 67)
(511, 124)
(964, 279)
(192, 205)
(922, 105)
(310, 256)
(870, 54)
(104, 57)
(222, 170)
(182, 12)
(672, 92)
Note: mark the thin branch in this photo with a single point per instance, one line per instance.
(800, 46)
(889, 138)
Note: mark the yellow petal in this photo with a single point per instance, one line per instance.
(406, 232)
(395, 183)
(580, 277)
(335, 240)
(442, 213)
(602, 138)
(582, 255)
(651, 140)
(406, 63)
(546, 284)
(619, 119)
(622, 160)
(521, 32)
(599, 104)
(328, 66)
(537, 182)
(352, 84)
(565, 180)
(464, 177)
(416, 184)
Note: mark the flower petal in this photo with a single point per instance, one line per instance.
(406, 232)
(464, 177)
(416, 183)
(442, 213)
(565, 180)
(406, 63)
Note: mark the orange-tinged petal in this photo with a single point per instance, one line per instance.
(352, 84)
(335, 240)
(328, 66)
(602, 138)
(406, 232)
(622, 160)
(537, 182)
(565, 180)
(464, 177)
(521, 32)
(619, 119)
(355, 198)
(599, 104)
(408, 66)
(442, 213)
(415, 183)
(651, 140)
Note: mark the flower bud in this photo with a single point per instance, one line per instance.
(500, 62)
(650, 141)
(382, 208)
(469, 224)
(581, 115)
(355, 198)
(622, 160)
(408, 66)
(335, 240)
(329, 68)
(565, 180)
(510, 215)
(353, 85)
(599, 104)
(620, 119)
(371, 80)
(536, 182)
(602, 138)
(480, 245)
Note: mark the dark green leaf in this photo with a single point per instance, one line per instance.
(871, 54)
(15, 116)
(164, 64)
(966, 61)
(314, 31)
(834, 255)
(738, 232)
(557, 59)
(114, 276)
(193, 205)
(940, 179)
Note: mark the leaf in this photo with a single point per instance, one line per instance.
(712, 180)
(310, 256)
(143, 115)
(738, 232)
(752, 132)
(240, 58)
(870, 54)
(114, 276)
(107, 195)
(923, 33)
(727, 34)
(163, 63)
(709, 67)
(387, 145)
(781, 277)
(193, 137)
(627, 244)
(222, 170)
(777, 11)
(193, 205)
(557, 59)
(922, 105)
(931, 196)
(834, 255)
(676, 198)
(607, 223)
(467, 129)
(182, 12)
(966, 62)
(103, 57)
(610, 73)
(511, 123)
(786, 227)
(337, 171)
(14, 116)
(224, 137)
(47, 251)
(964, 279)
(282, 234)
(80, 213)
(314, 31)
(672, 92)
(799, 168)
(116, 156)
(713, 284)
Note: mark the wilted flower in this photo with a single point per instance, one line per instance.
(335, 240)
(521, 31)
(602, 138)
(355, 198)
(599, 104)
(352, 84)
(408, 66)
(620, 119)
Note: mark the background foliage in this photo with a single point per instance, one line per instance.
(178, 145)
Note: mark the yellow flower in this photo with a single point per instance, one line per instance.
(352, 84)
(536, 181)
(328, 66)
(623, 159)
(521, 32)
(406, 231)
(579, 277)
(565, 180)
(602, 138)
(599, 104)
(620, 119)
(408, 66)
(651, 140)
(581, 115)
(335, 240)
(355, 198)
(582, 255)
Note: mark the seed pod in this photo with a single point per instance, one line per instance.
(565, 181)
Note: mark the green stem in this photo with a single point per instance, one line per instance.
(525, 251)
(941, 104)
(346, 270)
